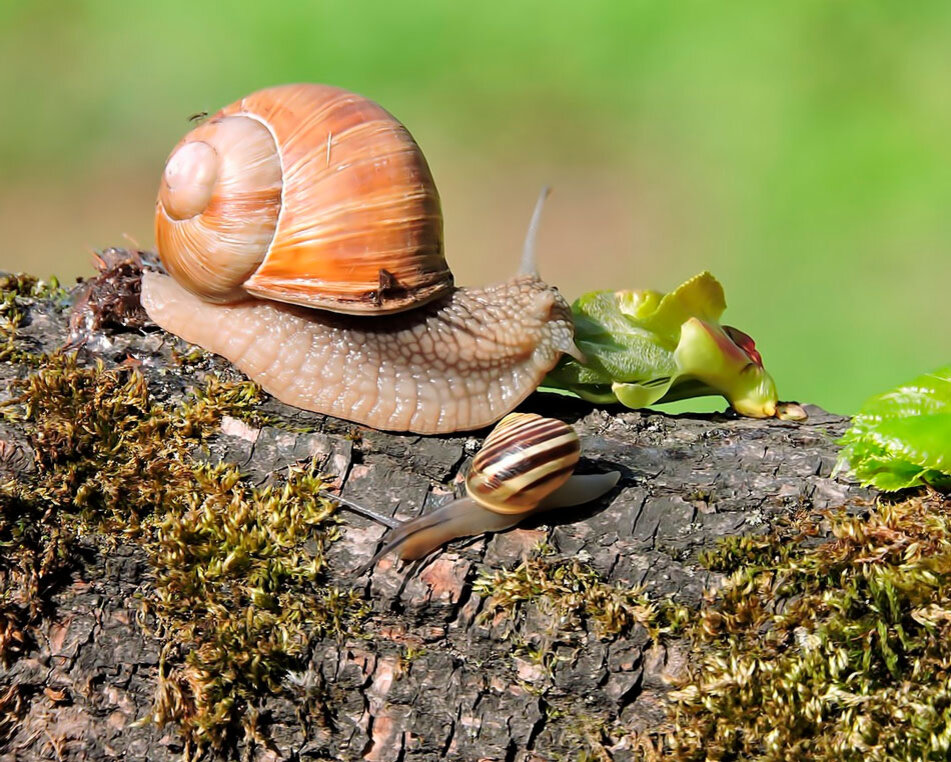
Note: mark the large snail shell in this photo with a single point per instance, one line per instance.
(525, 458)
(305, 194)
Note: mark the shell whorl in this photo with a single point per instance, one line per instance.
(218, 206)
(305, 194)
(524, 459)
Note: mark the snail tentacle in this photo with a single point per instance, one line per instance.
(529, 264)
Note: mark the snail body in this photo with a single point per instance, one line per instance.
(525, 466)
(302, 232)
(450, 365)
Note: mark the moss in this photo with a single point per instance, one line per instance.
(35, 551)
(13, 705)
(569, 594)
(564, 599)
(238, 570)
(828, 640)
(837, 650)
(194, 357)
(14, 285)
(16, 292)
(238, 594)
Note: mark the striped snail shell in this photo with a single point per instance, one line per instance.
(523, 460)
(525, 466)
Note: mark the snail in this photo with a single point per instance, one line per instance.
(525, 466)
(302, 231)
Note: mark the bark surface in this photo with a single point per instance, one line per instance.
(427, 678)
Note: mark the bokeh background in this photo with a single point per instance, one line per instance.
(799, 151)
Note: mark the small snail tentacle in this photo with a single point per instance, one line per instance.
(523, 468)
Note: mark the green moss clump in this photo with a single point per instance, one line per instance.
(102, 445)
(14, 285)
(828, 641)
(14, 290)
(569, 593)
(832, 651)
(572, 598)
(239, 586)
(238, 594)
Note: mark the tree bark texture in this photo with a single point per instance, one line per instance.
(90, 672)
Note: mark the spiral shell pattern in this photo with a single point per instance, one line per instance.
(525, 458)
(305, 194)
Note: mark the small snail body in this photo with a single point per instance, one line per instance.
(524, 467)
(303, 233)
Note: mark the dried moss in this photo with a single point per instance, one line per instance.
(839, 650)
(34, 551)
(238, 570)
(12, 708)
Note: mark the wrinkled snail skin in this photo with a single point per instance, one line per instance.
(455, 364)
(523, 468)
(292, 221)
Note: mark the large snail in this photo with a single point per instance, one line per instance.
(307, 196)
(525, 466)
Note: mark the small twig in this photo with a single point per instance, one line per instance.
(387, 521)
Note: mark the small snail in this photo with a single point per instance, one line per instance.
(307, 196)
(525, 466)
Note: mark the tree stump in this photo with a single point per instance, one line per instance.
(424, 677)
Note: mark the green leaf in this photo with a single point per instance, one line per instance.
(644, 347)
(700, 297)
(902, 438)
(641, 395)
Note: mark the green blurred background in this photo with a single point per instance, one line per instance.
(799, 151)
